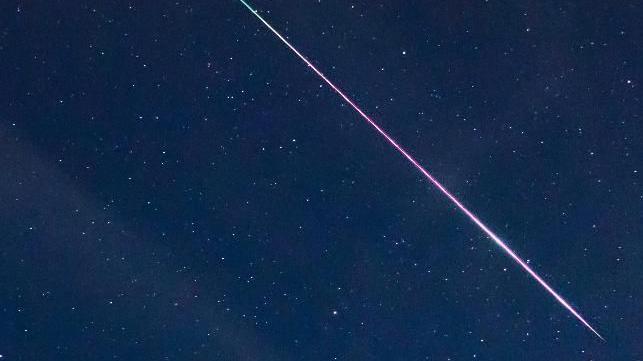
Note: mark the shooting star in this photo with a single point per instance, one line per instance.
(428, 176)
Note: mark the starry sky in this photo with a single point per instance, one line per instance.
(176, 185)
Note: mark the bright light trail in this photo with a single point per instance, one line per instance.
(428, 175)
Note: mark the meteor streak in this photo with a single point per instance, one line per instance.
(428, 176)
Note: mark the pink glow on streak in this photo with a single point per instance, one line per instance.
(428, 175)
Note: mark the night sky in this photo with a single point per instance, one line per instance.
(176, 185)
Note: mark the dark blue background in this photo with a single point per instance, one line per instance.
(176, 185)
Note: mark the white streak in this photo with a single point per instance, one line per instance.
(435, 182)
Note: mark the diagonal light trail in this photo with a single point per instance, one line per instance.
(428, 175)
